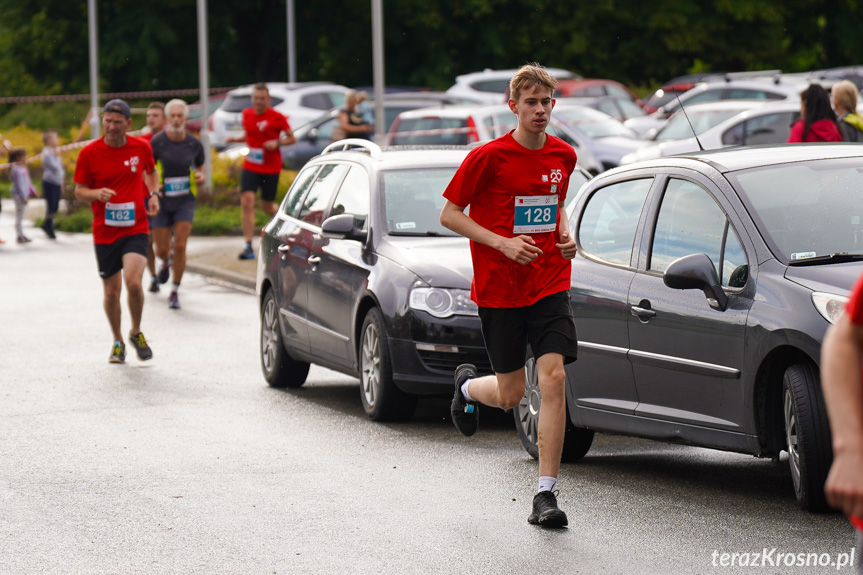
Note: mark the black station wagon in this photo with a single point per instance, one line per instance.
(702, 289)
(356, 274)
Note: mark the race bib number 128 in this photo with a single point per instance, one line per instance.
(535, 214)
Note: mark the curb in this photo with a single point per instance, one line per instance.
(227, 276)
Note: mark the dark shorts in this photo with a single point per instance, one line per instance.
(546, 325)
(110, 256)
(251, 181)
(173, 210)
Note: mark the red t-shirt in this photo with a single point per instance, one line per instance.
(120, 169)
(513, 191)
(854, 309)
(259, 129)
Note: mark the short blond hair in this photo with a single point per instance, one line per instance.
(845, 95)
(528, 76)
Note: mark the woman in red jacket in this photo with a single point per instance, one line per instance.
(818, 121)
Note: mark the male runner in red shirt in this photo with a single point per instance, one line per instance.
(842, 383)
(263, 128)
(110, 174)
(521, 249)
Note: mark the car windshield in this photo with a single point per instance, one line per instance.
(806, 210)
(413, 200)
(431, 131)
(681, 126)
(593, 123)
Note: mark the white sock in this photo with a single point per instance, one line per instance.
(464, 392)
(547, 483)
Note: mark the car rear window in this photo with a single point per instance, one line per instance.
(237, 104)
(431, 131)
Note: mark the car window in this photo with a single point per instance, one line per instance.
(609, 220)
(318, 101)
(609, 107)
(629, 108)
(593, 123)
(431, 132)
(615, 90)
(321, 192)
(413, 200)
(691, 222)
(594, 91)
(806, 209)
(337, 99)
(325, 130)
(291, 204)
(681, 125)
(353, 197)
(769, 129)
(505, 121)
(496, 86)
(236, 104)
(705, 96)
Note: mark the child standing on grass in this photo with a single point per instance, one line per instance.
(22, 189)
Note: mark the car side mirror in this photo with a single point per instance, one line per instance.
(342, 226)
(696, 271)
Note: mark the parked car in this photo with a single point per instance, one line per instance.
(490, 86)
(686, 129)
(606, 137)
(768, 123)
(356, 274)
(754, 89)
(702, 289)
(670, 90)
(464, 125)
(593, 88)
(194, 121)
(316, 135)
(300, 102)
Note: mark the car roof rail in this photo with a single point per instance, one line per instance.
(358, 144)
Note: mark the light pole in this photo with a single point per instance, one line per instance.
(94, 69)
(204, 81)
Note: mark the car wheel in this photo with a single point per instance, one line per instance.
(382, 400)
(576, 441)
(807, 435)
(280, 369)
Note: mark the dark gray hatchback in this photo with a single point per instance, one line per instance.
(702, 290)
(356, 274)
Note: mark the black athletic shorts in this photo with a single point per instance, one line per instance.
(173, 210)
(547, 325)
(268, 183)
(110, 256)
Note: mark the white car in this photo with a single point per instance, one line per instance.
(465, 125)
(720, 125)
(300, 102)
(489, 86)
(758, 90)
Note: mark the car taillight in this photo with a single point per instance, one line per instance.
(472, 134)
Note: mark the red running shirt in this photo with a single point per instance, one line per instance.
(120, 169)
(259, 129)
(513, 191)
(854, 309)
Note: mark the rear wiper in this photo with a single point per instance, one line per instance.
(838, 258)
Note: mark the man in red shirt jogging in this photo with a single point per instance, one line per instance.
(116, 175)
(842, 383)
(521, 248)
(263, 128)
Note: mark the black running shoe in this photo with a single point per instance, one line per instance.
(465, 415)
(139, 342)
(545, 511)
(118, 353)
(247, 254)
(154, 285)
(164, 273)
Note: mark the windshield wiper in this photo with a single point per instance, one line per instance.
(841, 257)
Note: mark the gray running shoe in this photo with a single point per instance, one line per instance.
(174, 301)
(139, 342)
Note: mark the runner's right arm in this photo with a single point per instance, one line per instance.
(86, 194)
(520, 249)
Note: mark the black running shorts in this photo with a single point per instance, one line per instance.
(547, 325)
(110, 256)
(268, 183)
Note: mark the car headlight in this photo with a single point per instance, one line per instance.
(442, 302)
(829, 305)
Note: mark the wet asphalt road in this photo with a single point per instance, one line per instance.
(191, 464)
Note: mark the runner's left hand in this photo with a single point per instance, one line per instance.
(566, 246)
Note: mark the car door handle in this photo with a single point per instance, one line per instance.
(284, 248)
(642, 312)
(314, 260)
